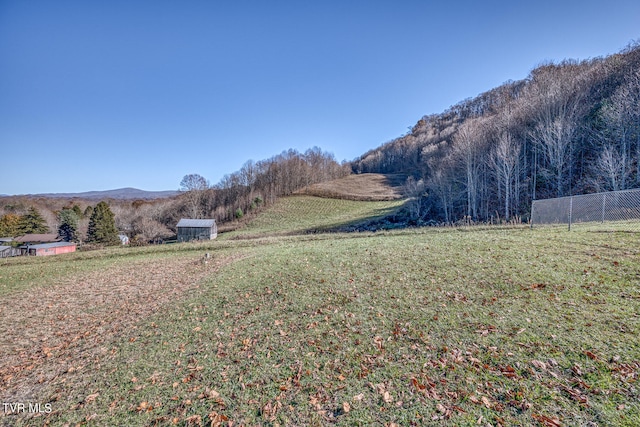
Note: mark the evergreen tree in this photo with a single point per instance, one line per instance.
(32, 223)
(102, 226)
(68, 228)
(77, 211)
(9, 225)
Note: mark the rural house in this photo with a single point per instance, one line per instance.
(43, 249)
(196, 229)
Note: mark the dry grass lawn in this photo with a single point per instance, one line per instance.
(366, 187)
(58, 333)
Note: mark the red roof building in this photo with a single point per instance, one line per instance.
(44, 249)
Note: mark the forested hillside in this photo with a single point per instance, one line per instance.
(568, 128)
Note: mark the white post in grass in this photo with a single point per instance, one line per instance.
(570, 210)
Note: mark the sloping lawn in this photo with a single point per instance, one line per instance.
(308, 214)
(465, 328)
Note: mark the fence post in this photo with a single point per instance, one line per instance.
(604, 201)
(570, 210)
(533, 205)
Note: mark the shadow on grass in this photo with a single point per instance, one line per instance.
(381, 219)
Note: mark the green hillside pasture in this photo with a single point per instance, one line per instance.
(308, 214)
(419, 327)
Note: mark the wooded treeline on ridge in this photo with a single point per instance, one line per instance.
(255, 185)
(569, 128)
(261, 182)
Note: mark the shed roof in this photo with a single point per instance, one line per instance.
(50, 245)
(196, 223)
(38, 238)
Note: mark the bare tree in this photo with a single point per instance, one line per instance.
(441, 184)
(622, 116)
(553, 136)
(612, 167)
(468, 150)
(504, 159)
(148, 230)
(557, 94)
(193, 186)
(415, 191)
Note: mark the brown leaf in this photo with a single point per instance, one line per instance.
(577, 369)
(91, 397)
(194, 420)
(474, 360)
(346, 407)
(144, 406)
(591, 355)
(486, 402)
(546, 421)
(417, 384)
(540, 365)
(378, 340)
(576, 395)
(217, 419)
(211, 394)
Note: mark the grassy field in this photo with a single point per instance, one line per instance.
(416, 327)
(311, 214)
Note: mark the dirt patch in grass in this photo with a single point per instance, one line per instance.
(49, 333)
(365, 187)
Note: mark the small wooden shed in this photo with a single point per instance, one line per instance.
(43, 249)
(196, 229)
(8, 251)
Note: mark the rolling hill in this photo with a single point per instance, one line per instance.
(127, 193)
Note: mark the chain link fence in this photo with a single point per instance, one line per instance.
(610, 211)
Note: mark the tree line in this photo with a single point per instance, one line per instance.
(255, 186)
(100, 223)
(568, 128)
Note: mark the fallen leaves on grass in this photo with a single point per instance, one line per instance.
(82, 315)
(217, 419)
(144, 406)
(547, 421)
(384, 392)
(90, 398)
(575, 395)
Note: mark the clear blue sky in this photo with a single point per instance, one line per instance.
(98, 95)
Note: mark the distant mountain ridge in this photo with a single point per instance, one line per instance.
(119, 193)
